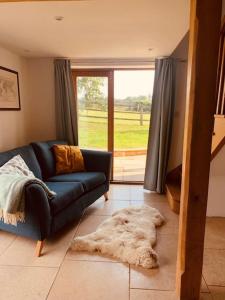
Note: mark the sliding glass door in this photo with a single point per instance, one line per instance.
(94, 96)
(113, 114)
(132, 108)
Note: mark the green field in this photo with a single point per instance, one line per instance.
(128, 133)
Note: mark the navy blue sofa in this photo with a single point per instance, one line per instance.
(74, 192)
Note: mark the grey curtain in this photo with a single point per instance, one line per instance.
(66, 108)
(160, 126)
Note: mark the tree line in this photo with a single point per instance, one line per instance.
(91, 96)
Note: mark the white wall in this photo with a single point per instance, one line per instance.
(176, 150)
(36, 119)
(41, 119)
(216, 196)
(13, 126)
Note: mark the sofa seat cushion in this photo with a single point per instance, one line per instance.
(89, 180)
(66, 193)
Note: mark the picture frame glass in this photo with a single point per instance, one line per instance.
(9, 90)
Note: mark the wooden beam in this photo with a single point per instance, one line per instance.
(205, 23)
(38, 0)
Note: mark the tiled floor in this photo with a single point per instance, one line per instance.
(63, 274)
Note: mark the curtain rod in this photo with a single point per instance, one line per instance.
(118, 62)
(120, 59)
(112, 61)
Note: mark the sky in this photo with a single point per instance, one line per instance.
(133, 83)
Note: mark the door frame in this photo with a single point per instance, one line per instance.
(109, 73)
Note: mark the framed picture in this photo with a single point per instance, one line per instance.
(9, 90)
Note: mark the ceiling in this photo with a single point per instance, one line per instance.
(94, 28)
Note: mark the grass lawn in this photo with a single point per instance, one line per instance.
(128, 133)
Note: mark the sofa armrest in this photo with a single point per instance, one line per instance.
(38, 209)
(98, 161)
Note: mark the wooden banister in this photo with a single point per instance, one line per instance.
(220, 107)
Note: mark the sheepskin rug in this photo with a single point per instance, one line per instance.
(128, 235)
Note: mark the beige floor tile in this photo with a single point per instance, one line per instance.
(136, 294)
(89, 223)
(163, 277)
(119, 192)
(214, 267)
(91, 281)
(25, 283)
(204, 287)
(215, 237)
(132, 192)
(105, 208)
(138, 193)
(218, 293)
(6, 238)
(21, 251)
(205, 296)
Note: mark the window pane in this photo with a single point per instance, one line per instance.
(92, 96)
(132, 107)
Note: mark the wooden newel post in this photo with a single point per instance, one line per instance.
(205, 23)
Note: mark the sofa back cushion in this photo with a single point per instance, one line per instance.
(28, 155)
(45, 156)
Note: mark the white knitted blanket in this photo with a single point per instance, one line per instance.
(14, 177)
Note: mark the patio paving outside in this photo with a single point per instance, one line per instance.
(129, 168)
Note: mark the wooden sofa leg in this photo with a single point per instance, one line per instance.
(39, 247)
(106, 196)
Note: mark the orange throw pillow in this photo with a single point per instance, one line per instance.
(69, 159)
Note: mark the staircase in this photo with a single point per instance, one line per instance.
(218, 140)
(173, 188)
(174, 178)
